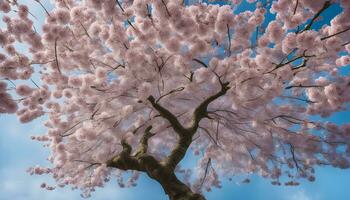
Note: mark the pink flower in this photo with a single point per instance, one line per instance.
(5, 7)
(289, 43)
(7, 105)
(263, 41)
(3, 38)
(75, 81)
(331, 91)
(275, 32)
(10, 49)
(173, 45)
(307, 40)
(23, 11)
(2, 57)
(24, 90)
(62, 15)
(77, 13)
(347, 48)
(343, 61)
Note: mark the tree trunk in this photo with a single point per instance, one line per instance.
(174, 188)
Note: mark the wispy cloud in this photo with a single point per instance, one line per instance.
(300, 195)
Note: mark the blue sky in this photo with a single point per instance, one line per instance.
(18, 153)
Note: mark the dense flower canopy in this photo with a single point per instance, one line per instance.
(125, 79)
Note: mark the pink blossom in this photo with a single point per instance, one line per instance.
(173, 45)
(77, 13)
(275, 32)
(2, 57)
(62, 15)
(263, 41)
(347, 47)
(24, 90)
(313, 5)
(10, 49)
(144, 90)
(3, 39)
(5, 6)
(202, 74)
(307, 39)
(23, 11)
(343, 61)
(7, 105)
(289, 42)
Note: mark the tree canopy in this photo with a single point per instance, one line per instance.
(134, 85)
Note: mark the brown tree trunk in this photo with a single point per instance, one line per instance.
(174, 188)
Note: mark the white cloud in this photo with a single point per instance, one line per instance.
(300, 195)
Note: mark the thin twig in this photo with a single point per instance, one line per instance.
(172, 91)
(229, 40)
(11, 82)
(35, 83)
(86, 32)
(120, 6)
(303, 86)
(340, 32)
(325, 6)
(47, 12)
(205, 172)
(200, 62)
(296, 6)
(58, 67)
(166, 8)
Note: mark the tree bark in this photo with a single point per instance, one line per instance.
(164, 175)
(174, 188)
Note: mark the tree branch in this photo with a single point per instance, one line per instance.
(200, 62)
(172, 91)
(186, 134)
(293, 157)
(179, 129)
(296, 6)
(47, 12)
(302, 86)
(120, 6)
(201, 111)
(124, 161)
(229, 39)
(143, 146)
(340, 32)
(56, 57)
(325, 6)
(166, 8)
(304, 56)
(178, 153)
(185, 140)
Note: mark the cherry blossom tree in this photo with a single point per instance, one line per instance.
(130, 87)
